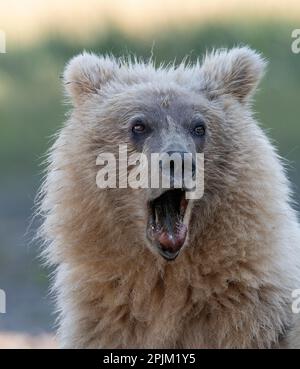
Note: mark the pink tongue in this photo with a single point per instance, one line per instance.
(173, 241)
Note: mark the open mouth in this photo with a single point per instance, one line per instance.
(165, 224)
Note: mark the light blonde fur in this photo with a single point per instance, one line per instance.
(231, 285)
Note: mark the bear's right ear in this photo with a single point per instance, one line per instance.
(86, 73)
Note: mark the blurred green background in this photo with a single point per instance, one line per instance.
(32, 109)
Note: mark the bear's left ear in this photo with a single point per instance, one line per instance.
(236, 72)
(86, 74)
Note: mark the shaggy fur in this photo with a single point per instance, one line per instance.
(231, 284)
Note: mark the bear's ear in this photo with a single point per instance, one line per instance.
(236, 72)
(86, 74)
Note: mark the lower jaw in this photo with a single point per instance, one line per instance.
(168, 256)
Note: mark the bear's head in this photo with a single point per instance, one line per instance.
(201, 108)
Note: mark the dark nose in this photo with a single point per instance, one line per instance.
(182, 155)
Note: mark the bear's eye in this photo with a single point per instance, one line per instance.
(138, 126)
(199, 130)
